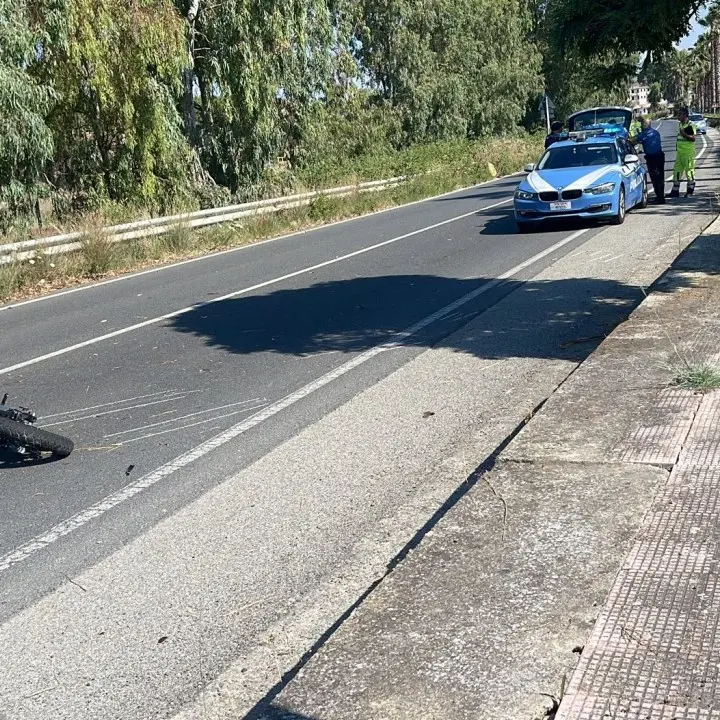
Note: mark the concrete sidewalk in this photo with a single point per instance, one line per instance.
(580, 565)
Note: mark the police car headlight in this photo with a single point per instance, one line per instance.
(523, 195)
(603, 189)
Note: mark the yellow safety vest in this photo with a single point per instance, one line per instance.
(684, 146)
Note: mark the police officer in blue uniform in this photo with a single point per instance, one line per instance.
(654, 157)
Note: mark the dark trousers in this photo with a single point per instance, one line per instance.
(656, 169)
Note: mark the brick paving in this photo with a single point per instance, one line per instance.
(654, 653)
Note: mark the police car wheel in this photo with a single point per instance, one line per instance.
(644, 199)
(619, 217)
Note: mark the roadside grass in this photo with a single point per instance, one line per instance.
(698, 376)
(431, 170)
(98, 253)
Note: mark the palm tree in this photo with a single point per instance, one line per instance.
(701, 68)
(711, 52)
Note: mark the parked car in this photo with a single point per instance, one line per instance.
(594, 174)
(699, 122)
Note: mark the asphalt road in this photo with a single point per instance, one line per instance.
(173, 380)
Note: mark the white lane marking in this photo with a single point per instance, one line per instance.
(68, 526)
(119, 402)
(189, 425)
(78, 418)
(238, 293)
(200, 258)
(263, 403)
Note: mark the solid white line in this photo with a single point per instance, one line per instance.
(209, 256)
(238, 293)
(68, 526)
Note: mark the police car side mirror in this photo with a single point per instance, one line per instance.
(529, 167)
(631, 159)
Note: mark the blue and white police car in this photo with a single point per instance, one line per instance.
(595, 173)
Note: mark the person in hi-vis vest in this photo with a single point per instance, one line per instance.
(685, 157)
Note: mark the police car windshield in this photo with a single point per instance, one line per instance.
(695, 116)
(578, 156)
(591, 118)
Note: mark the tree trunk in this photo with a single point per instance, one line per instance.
(188, 77)
(715, 69)
(188, 106)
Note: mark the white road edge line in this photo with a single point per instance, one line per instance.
(238, 293)
(208, 256)
(66, 527)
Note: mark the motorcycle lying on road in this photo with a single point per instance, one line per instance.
(18, 433)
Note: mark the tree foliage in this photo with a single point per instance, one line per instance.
(655, 95)
(452, 67)
(26, 141)
(621, 27)
(165, 103)
(117, 76)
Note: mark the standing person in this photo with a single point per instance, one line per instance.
(654, 157)
(685, 159)
(555, 135)
(635, 127)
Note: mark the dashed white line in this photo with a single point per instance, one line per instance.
(68, 526)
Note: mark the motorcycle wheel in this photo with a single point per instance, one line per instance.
(35, 438)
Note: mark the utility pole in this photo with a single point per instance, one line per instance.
(547, 113)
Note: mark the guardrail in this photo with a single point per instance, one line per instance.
(68, 242)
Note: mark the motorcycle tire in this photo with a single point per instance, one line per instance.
(35, 438)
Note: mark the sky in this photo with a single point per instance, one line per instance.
(691, 39)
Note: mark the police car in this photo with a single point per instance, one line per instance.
(595, 173)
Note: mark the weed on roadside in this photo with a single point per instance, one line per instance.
(97, 251)
(324, 208)
(178, 240)
(11, 279)
(699, 376)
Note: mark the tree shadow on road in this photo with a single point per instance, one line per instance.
(551, 319)
(350, 316)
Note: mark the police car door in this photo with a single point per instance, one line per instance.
(632, 174)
